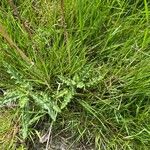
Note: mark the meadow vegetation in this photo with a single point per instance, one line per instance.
(78, 69)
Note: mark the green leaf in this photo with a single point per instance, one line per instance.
(67, 99)
(23, 101)
(34, 119)
(45, 102)
(67, 81)
(61, 93)
(80, 85)
(56, 108)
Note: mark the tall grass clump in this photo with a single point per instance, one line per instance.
(77, 69)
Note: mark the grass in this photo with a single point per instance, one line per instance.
(8, 129)
(79, 69)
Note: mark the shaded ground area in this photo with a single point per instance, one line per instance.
(9, 137)
(60, 143)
